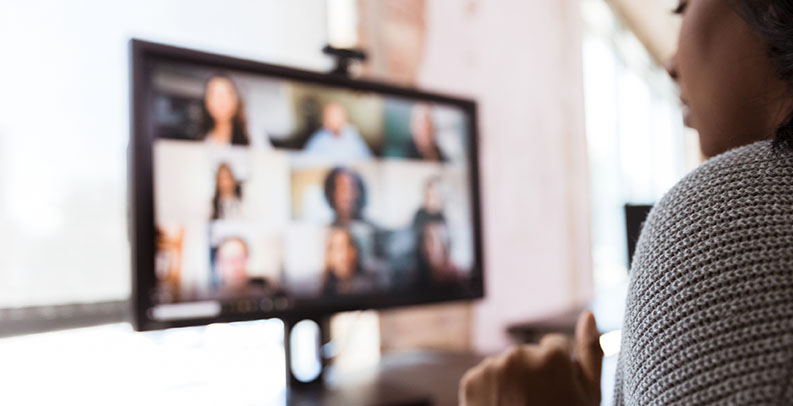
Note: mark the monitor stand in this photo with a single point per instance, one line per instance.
(315, 389)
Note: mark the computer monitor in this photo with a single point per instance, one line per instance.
(263, 191)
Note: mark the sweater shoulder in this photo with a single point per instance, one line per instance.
(711, 270)
(740, 169)
(745, 193)
(752, 177)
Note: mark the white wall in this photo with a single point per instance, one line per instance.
(64, 124)
(521, 59)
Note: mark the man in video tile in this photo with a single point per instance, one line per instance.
(337, 140)
(231, 266)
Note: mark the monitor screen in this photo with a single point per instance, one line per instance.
(264, 191)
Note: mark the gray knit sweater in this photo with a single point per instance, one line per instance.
(709, 314)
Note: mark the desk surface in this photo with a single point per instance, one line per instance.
(421, 377)
(408, 378)
(210, 365)
(433, 372)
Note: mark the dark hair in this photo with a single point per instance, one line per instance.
(773, 21)
(330, 281)
(330, 188)
(424, 276)
(216, 198)
(239, 127)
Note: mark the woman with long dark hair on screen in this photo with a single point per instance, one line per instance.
(431, 206)
(223, 114)
(227, 200)
(433, 252)
(709, 313)
(422, 143)
(344, 273)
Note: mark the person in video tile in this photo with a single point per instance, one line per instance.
(223, 117)
(227, 201)
(422, 143)
(231, 263)
(346, 195)
(344, 273)
(168, 262)
(434, 260)
(337, 140)
(431, 206)
(231, 267)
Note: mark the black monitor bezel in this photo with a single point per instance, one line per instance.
(141, 196)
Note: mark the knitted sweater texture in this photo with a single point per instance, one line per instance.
(709, 314)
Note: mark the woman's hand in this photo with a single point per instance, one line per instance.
(558, 371)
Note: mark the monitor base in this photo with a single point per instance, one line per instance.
(305, 358)
(323, 389)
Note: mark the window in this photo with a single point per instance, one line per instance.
(638, 149)
(637, 145)
(64, 130)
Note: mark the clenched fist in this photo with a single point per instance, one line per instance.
(558, 371)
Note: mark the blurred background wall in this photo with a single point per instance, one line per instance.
(521, 60)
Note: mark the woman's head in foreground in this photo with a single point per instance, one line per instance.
(734, 66)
